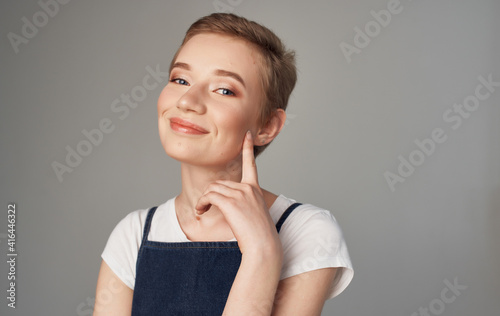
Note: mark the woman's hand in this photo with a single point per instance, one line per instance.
(243, 206)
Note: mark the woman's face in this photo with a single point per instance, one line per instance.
(213, 97)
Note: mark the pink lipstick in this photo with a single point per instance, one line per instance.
(185, 127)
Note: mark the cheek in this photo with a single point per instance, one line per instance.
(231, 128)
(165, 100)
(164, 104)
(231, 123)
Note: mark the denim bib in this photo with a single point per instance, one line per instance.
(186, 278)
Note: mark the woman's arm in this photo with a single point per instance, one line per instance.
(244, 208)
(303, 294)
(254, 287)
(113, 297)
(256, 290)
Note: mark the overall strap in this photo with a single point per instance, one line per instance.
(285, 215)
(147, 226)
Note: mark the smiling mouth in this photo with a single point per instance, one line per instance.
(185, 127)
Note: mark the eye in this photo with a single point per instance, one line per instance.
(180, 81)
(225, 91)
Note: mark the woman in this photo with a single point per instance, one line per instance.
(224, 245)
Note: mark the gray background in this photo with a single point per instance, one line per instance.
(348, 123)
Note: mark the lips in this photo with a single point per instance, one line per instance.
(185, 127)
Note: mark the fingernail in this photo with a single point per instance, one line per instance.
(249, 134)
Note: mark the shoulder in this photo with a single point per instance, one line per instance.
(308, 218)
(126, 236)
(120, 252)
(313, 239)
(135, 221)
(132, 223)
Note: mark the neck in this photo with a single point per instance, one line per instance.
(195, 180)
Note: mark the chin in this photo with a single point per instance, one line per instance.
(180, 152)
(197, 157)
(190, 159)
(197, 153)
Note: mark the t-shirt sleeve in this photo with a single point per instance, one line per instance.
(120, 253)
(312, 239)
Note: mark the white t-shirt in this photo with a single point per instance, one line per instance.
(310, 236)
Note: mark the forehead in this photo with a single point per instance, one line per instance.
(216, 51)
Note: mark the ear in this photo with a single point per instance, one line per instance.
(272, 128)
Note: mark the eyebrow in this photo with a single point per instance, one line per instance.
(180, 65)
(235, 76)
(218, 72)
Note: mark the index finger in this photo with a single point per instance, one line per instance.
(248, 167)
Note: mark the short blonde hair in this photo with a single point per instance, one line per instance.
(279, 70)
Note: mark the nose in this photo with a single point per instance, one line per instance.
(192, 100)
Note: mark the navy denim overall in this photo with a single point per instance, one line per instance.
(186, 278)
